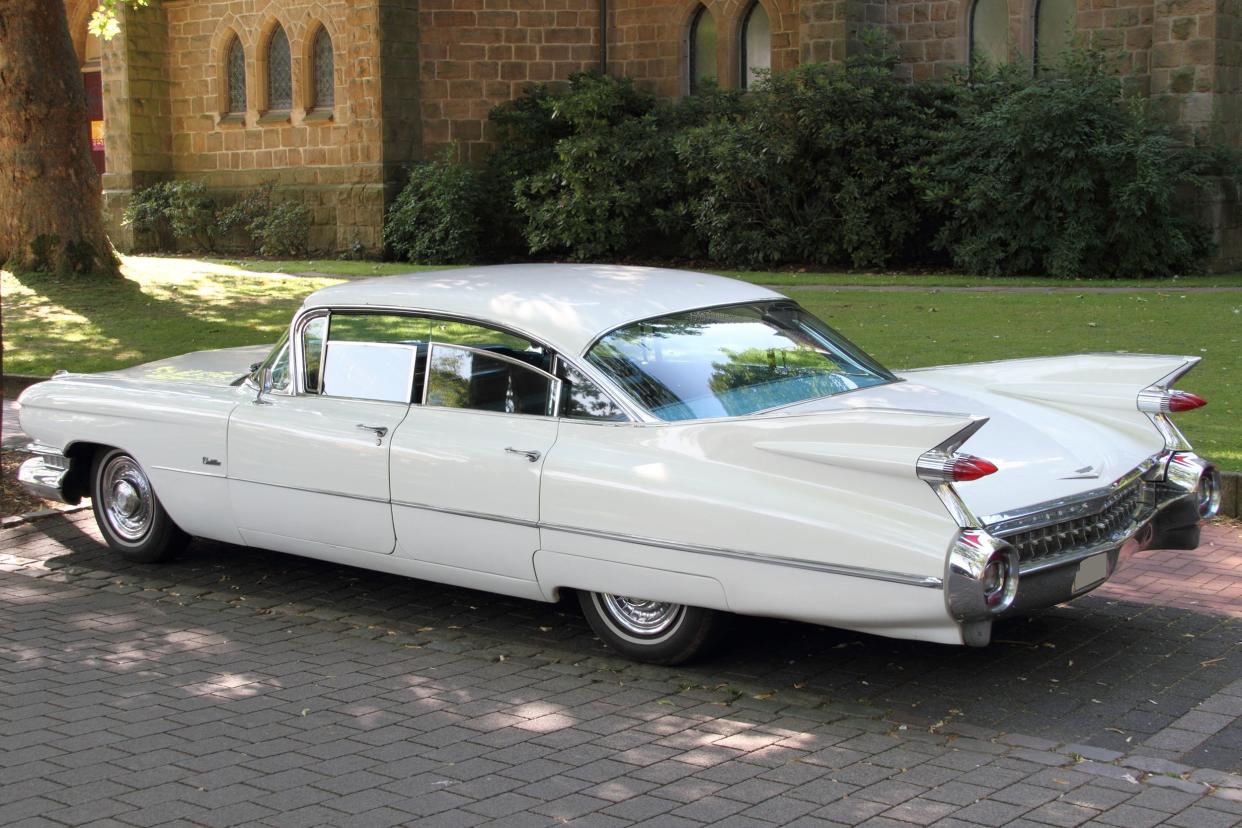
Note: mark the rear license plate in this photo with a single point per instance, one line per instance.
(1091, 571)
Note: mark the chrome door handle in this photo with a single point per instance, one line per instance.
(378, 431)
(532, 456)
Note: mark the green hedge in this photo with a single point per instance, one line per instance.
(1000, 173)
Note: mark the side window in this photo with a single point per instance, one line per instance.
(312, 351)
(371, 356)
(282, 377)
(582, 399)
(277, 363)
(484, 380)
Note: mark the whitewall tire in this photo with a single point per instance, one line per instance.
(656, 632)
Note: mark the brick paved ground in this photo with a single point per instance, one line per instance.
(242, 686)
(1208, 579)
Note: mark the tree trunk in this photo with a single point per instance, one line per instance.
(51, 215)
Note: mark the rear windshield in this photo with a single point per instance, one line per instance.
(732, 361)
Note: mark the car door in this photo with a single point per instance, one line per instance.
(466, 463)
(308, 458)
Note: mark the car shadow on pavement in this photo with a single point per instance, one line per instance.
(1099, 671)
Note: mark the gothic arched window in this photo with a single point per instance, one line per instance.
(323, 82)
(702, 49)
(756, 44)
(279, 70)
(235, 72)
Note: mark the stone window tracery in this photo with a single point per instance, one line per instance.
(279, 71)
(702, 51)
(321, 70)
(989, 32)
(1054, 31)
(236, 68)
(756, 44)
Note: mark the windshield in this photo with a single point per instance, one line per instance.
(732, 361)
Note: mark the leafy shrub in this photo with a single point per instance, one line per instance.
(174, 210)
(593, 174)
(815, 168)
(245, 215)
(283, 230)
(438, 217)
(147, 213)
(1061, 175)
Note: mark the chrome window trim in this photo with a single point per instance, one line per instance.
(554, 391)
(1054, 511)
(637, 415)
(557, 360)
(648, 417)
(298, 329)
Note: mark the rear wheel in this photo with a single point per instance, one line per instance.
(130, 516)
(656, 632)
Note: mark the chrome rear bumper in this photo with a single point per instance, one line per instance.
(1170, 506)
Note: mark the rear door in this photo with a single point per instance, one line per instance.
(466, 463)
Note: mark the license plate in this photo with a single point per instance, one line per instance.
(1091, 571)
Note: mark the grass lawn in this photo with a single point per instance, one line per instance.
(348, 268)
(912, 330)
(164, 307)
(170, 306)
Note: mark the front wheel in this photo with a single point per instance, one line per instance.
(656, 632)
(130, 516)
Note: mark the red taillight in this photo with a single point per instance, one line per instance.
(1184, 401)
(968, 467)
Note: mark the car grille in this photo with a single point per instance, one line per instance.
(1057, 539)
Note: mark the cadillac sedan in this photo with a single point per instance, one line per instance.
(666, 445)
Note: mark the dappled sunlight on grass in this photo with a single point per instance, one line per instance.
(163, 307)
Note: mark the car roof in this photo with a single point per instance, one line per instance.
(567, 306)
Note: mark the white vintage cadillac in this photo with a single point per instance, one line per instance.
(667, 445)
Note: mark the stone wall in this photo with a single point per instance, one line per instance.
(649, 41)
(413, 77)
(475, 54)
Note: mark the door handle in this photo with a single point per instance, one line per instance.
(530, 455)
(378, 431)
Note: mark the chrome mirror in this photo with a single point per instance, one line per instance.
(265, 385)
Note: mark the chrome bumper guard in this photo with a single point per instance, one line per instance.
(44, 474)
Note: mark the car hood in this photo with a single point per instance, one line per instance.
(221, 367)
(1043, 449)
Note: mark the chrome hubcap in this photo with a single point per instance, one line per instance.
(126, 498)
(642, 617)
(128, 503)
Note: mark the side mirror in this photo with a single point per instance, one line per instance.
(265, 385)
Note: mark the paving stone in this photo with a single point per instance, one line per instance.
(443, 733)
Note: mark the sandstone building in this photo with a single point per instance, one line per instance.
(333, 99)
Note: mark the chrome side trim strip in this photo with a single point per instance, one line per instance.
(928, 581)
(308, 490)
(199, 473)
(1061, 509)
(532, 524)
